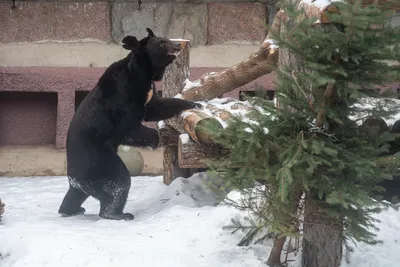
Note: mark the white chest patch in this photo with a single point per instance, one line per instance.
(149, 96)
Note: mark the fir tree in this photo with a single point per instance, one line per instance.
(312, 144)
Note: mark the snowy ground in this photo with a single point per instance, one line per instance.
(176, 234)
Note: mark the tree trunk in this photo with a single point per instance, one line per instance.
(175, 74)
(322, 246)
(323, 236)
(274, 259)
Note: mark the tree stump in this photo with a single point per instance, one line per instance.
(175, 75)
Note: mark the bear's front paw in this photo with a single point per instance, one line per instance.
(197, 105)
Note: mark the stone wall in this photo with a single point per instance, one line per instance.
(60, 48)
(203, 22)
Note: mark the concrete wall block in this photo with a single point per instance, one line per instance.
(172, 20)
(59, 21)
(236, 22)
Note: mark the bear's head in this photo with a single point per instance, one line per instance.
(159, 51)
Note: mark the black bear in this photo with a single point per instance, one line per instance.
(111, 115)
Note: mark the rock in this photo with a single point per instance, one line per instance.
(171, 20)
(132, 159)
(189, 192)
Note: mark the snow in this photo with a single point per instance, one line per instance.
(178, 225)
(171, 228)
(179, 40)
(248, 130)
(184, 138)
(125, 148)
(184, 114)
(273, 43)
(321, 4)
(216, 106)
(367, 104)
(161, 124)
(189, 85)
(178, 96)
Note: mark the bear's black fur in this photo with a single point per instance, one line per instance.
(111, 115)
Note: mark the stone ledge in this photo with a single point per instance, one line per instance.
(90, 54)
(49, 161)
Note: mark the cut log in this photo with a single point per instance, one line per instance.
(193, 121)
(194, 124)
(193, 155)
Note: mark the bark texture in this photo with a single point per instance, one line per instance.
(323, 236)
(216, 84)
(175, 74)
(192, 155)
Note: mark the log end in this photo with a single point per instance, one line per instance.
(204, 128)
(331, 9)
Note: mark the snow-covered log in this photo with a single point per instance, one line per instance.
(319, 9)
(261, 62)
(212, 85)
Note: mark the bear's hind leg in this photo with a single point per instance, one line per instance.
(113, 189)
(113, 203)
(71, 204)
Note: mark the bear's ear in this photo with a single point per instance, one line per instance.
(130, 43)
(151, 33)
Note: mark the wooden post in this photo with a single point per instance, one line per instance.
(175, 74)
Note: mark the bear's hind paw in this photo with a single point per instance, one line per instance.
(67, 214)
(123, 216)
